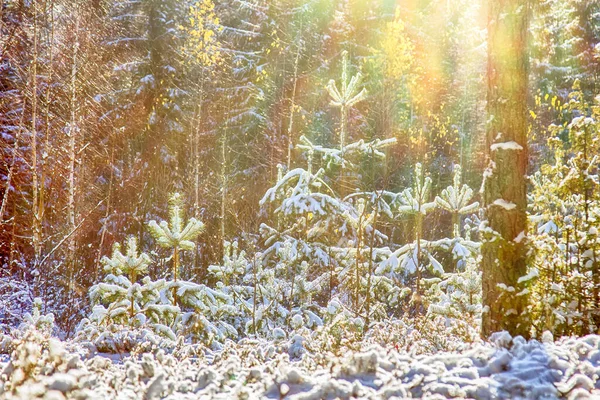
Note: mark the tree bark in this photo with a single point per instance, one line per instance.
(504, 258)
(35, 185)
(293, 105)
(73, 128)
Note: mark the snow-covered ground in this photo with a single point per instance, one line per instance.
(506, 368)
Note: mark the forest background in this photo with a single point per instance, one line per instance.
(108, 107)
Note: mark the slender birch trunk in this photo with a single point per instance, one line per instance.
(293, 107)
(11, 168)
(72, 154)
(224, 144)
(106, 215)
(35, 185)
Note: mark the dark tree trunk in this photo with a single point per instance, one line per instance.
(504, 258)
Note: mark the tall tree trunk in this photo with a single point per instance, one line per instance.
(106, 215)
(39, 283)
(293, 104)
(47, 150)
(224, 181)
(35, 186)
(197, 132)
(73, 128)
(11, 168)
(504, 259)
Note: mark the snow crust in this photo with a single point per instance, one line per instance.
(504, 368)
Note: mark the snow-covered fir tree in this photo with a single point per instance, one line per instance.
(175, 234)
(201, 308)
(324, 244)
(127, 298)
(413, 259)
(419, 261)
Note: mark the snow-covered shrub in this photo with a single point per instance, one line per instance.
(206, 313)
(456, 296)
(42, 324)
(35, 359)
(308, 212)
(259, 297)
(565, 221)
(423, 334)
(38, 321)
(418, 259)
(16, 297)
(127, 305)
(338, 337)
(415, 258)
(38, 362)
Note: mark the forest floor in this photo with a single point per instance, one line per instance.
(505, 368)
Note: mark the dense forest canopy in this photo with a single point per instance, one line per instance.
(308, 155)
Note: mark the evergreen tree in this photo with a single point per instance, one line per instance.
(457, 200)
(174, 235)
(127, 298)
(315, 223)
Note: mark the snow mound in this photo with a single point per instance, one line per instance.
(504, 368)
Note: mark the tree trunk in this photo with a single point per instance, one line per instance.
(11, 168)
(35, 185)
(175, 272)
(504, 259)
(73, 128)
(106, 215)
(224, 184)
(293, 106)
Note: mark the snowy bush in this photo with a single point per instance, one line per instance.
(456, 296)
(34, 321)
(16, 297)
(38, 321)
(565, 221)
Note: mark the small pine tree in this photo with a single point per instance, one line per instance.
(457, 200)
(126, 301)
(324, 240)
(121, 298)
(347, 96)
(36, 320)
(458, 295)
(174, 235)
(415, 202)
